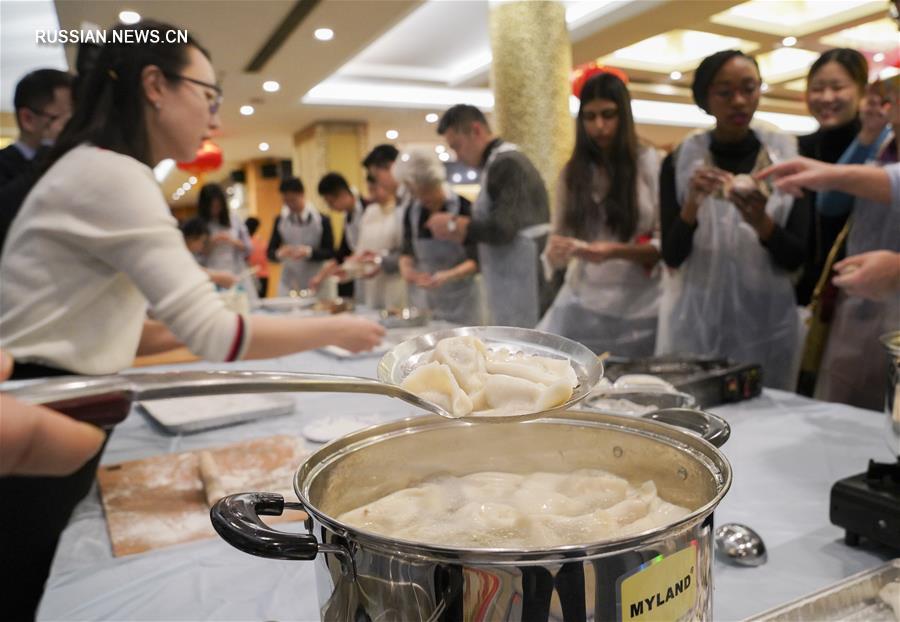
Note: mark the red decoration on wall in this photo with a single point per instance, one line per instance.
(209, 158)
(582, 73)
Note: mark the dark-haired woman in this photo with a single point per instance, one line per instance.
(603, 228)
(730, 248)
(835, 89)
(95, 244)
(229, 242)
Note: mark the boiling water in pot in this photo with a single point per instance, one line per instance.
(509, 510)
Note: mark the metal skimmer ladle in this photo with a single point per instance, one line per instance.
(106, 400)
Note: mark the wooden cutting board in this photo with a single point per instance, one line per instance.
(164, 500)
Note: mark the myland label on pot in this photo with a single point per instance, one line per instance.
(663, 589)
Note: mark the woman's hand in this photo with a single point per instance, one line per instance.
(355, 333)
(294, 252)
(560, 249)
(222, 278)
(752, 207)
(597, 252)
(874, 275)
(436, 280)
(705, 181)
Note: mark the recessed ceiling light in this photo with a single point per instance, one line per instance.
(247, 110)
(440, 149)
(324, 34)
(129, 17)
(404, 157)
(763, 87)
(445, 157)
(878, 57)
(263, 146)
(675, 75)
(185, 186)
(456, 178)
(192, 180)
(789, 41)
(270, 86)
(431, 117)
(392, 134)
(471, 175)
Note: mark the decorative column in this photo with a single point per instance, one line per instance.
(532, 59)
(330, 146)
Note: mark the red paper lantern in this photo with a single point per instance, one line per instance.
(209, 158)
(582, 73)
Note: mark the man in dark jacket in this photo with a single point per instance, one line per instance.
(43, 104)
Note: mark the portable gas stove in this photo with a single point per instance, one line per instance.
(868, 505)
(710, 381)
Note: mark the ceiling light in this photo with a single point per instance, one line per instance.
(440, 149)
(878, 57)
(471, 175)
(763, 87)
(324, 34)
(263, 146)
(129, 17)
(192, 180)
(444, 157)
(785, 64)
(404, 157)
(247, 110)
(392, 134)
(876, 36)
(431, 117)
(456, 178)
(795, 17)
(342, 92)
(185, 186)
(789, 42)
(673, 51)
(675, 75)
(270, 86)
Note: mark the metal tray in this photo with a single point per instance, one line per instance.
(853, 599)
(186, 415)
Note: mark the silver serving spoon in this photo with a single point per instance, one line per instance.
(741, 546)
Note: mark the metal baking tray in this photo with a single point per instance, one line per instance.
(854, 598)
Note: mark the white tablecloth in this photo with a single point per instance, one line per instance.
(786, 452)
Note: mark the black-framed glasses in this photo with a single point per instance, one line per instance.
(51, 117)
(216, 102)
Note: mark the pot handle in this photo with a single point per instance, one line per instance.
(712, 428)
(236, 519)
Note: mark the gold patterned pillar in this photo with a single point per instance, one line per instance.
(325, 147)
(532, 59)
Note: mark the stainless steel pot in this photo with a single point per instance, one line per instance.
(663, 574)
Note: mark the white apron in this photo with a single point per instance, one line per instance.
(611, 306)
(457, 301)
(303, 229)
(227, 258)
(381, 231)
(510, 271)
(729, 299)
(853, 365)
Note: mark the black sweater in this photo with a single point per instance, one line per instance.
(787, 245)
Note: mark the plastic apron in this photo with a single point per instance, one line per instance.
(456, 301)
(381, 231)
(296, 273)
(510, 271)
(227, 258)
(729, 299)
(610, 306)
(852, 369)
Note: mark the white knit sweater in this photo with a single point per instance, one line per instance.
(93, 245)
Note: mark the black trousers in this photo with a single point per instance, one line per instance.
(35, 511)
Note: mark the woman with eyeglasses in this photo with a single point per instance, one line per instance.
(604, 227)
(95, 245)
(730, 245)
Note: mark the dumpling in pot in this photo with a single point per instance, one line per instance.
(465, 358)
(436, 383)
